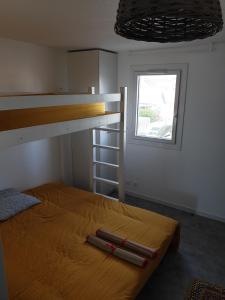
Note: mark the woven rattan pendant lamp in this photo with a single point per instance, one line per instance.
(168, 20)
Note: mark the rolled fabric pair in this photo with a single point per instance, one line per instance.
(127, 244)
(116, 251)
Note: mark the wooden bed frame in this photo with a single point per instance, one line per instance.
(3, 286)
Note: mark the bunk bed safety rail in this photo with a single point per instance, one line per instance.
(26, 118)
(36, 101)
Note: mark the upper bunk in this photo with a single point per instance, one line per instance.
(29, 117)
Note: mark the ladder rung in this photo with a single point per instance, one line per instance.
(107, 129)
(106, 180)
(105, 164)
(106, 147)
(106, 196)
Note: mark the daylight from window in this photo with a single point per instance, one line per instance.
(156, 103)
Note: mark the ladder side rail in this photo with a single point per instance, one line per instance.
(122, 141)
(93, 167)
(92, 152)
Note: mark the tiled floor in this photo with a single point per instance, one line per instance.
(201, 255)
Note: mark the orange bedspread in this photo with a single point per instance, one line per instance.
(46, 257)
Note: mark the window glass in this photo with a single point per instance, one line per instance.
(156, 106)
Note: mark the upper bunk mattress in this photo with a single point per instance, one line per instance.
(46, 256)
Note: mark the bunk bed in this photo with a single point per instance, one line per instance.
(46, 256)
(25, 118)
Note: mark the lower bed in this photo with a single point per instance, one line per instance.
(46, 257)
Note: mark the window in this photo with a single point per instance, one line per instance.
(159, 106)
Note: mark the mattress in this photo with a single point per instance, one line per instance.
(47, 258)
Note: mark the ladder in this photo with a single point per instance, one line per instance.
(96, 147)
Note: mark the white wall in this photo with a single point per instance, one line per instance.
(192, 178)
(29, 68)
(28, 165)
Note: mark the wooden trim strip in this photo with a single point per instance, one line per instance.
(22, 118)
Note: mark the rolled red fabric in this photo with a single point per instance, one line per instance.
(116, 251)
(127, 244)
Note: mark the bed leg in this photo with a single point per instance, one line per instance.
(174, 246)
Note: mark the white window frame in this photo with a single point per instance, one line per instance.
(181, 71)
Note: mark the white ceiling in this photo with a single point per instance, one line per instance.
(70, 24)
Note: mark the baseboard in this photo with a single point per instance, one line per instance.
(209, 216)
(176, 206)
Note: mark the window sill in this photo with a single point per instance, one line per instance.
(169, 145)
